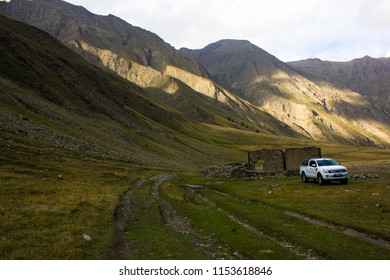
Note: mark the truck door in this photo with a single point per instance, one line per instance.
(312, 169)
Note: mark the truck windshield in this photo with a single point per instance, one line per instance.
(327, 162)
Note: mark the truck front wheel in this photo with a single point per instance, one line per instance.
(320, 180)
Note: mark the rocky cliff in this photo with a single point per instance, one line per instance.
(145, 59)
(368, 76)
(318, 110)
(230, 83)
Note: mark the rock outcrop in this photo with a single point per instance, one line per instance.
(316, 109)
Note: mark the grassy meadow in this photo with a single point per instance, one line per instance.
(61, 205)
(265, 205)
(78, 146)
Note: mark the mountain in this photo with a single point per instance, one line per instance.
(146, 60)
(230, 83)
(367, 76)
(234, 64)
(53, 101)
(70, 23)
(315, 109)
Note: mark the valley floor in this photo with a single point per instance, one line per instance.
(252, 220)
(63, 205)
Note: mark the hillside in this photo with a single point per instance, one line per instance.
(69, 23)
(52, 100)
(230, 83)
(234, 63)
(146, 60)
(100, 159)
(367, 76)
(319, 110)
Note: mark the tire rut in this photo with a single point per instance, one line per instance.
(183, 225)
(363, 236)
(120, 248)
(170, 216)
(296, 249)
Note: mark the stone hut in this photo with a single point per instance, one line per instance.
(295, 156)
(279, 161)
(273, 159)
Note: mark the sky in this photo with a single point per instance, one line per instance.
(288, 29)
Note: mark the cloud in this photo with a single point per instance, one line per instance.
(290, 30)
(374, 14)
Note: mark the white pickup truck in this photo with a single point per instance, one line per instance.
(323, 170)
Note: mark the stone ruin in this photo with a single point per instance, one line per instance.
(293, 157)
(236, 170)
(275, 161)
(281, 161)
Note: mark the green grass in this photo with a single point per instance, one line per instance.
(50, 198)
(263, 205)
(74, 139)
(149, 236)
(46, 206)
(327, 243)
(362, 204)
(229, 239)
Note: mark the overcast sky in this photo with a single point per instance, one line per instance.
(289, 29)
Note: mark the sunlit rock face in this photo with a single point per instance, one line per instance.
(313, 107)
(347, 103)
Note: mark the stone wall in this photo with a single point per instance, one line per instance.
(273, 159)
(295, 156)
(279, 161)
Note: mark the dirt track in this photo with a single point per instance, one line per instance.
(121, 247)
(367, 237)
(170, 216)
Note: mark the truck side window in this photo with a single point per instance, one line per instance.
(312, 163)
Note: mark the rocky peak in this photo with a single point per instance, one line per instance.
(69, 22)
(235, 63)
(368, 76)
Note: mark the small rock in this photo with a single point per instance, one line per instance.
(60, 177)
(270, 192)
(266, 251)
(375, 194)
(377, 205)
(87, 237)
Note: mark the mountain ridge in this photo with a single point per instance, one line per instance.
(368, 76)
(54, 100)
(151, 76)
(318, 109)
(66, 22)
(244, 82)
